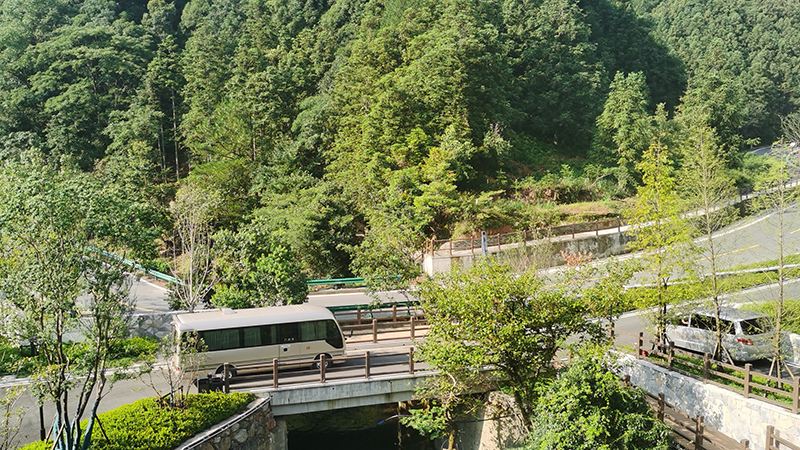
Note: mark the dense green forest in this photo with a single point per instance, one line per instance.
(330, 138)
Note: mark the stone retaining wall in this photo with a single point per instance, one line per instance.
(154, 325)
(726, 411)
(253, 429)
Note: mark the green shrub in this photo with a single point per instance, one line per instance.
(143, 425)
(587, 407)
(38, 445)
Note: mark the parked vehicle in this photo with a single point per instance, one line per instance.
(747, 335)
(253, 337)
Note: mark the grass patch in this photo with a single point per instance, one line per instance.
(143, 425)
(18, 360)
(700, 289)
(787, 259)
(790, 320)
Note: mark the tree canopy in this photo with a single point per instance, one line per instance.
(357, 130)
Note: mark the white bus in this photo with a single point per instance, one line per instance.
(248, 338)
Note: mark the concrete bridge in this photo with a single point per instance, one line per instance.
(339, 394)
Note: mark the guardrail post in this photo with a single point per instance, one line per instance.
(394, 314)
(796, 395)
(706, 367)
(413, 324)
(524, 237)
(746, 387)
(358, 316)
(573, 231)
(472, 244)
(596, 228)
(374, 331)
(698, 433)
(411, 360)
(366, 364)
(451, 246)
(770, 441)
(322, 364)
(275, 373)
(619, 225)
(671, 354)
(661, 405)
(639, 345)
(226, 374)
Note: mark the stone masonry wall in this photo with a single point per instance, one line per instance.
(155, 325)
(724, 410)
(253, 429)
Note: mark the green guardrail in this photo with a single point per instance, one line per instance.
(371, 307)
(335, 281)
(137, 266)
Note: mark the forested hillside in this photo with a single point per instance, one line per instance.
(331, 138)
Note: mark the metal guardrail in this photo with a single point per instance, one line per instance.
(336, 281)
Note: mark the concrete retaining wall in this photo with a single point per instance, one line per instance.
(608, 243)
(256, 428)
(498, 426)
(723, 410)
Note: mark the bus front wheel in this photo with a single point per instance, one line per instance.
(317, 361)
(231, 371)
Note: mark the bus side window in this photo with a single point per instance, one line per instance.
(288, 332)
(252, 336)
(221, 339)
(312, 331)
(269, 335)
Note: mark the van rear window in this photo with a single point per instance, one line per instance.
(756, 326)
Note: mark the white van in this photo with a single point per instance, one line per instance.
(747, 335)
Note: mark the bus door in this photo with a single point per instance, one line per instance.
(289, 336)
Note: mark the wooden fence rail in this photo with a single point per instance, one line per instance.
(692, 433)
(714, 372)
(775, 442)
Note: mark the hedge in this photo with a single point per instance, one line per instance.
(143, 425)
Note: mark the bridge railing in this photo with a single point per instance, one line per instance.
(288, 373)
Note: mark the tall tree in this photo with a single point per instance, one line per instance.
(659, 230)
(707, 187)
(488, 316)
(194, 211)
(623, 128)
(57, 277)
(778, 198)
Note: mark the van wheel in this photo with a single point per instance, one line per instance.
(231, 371)
(317, 363)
